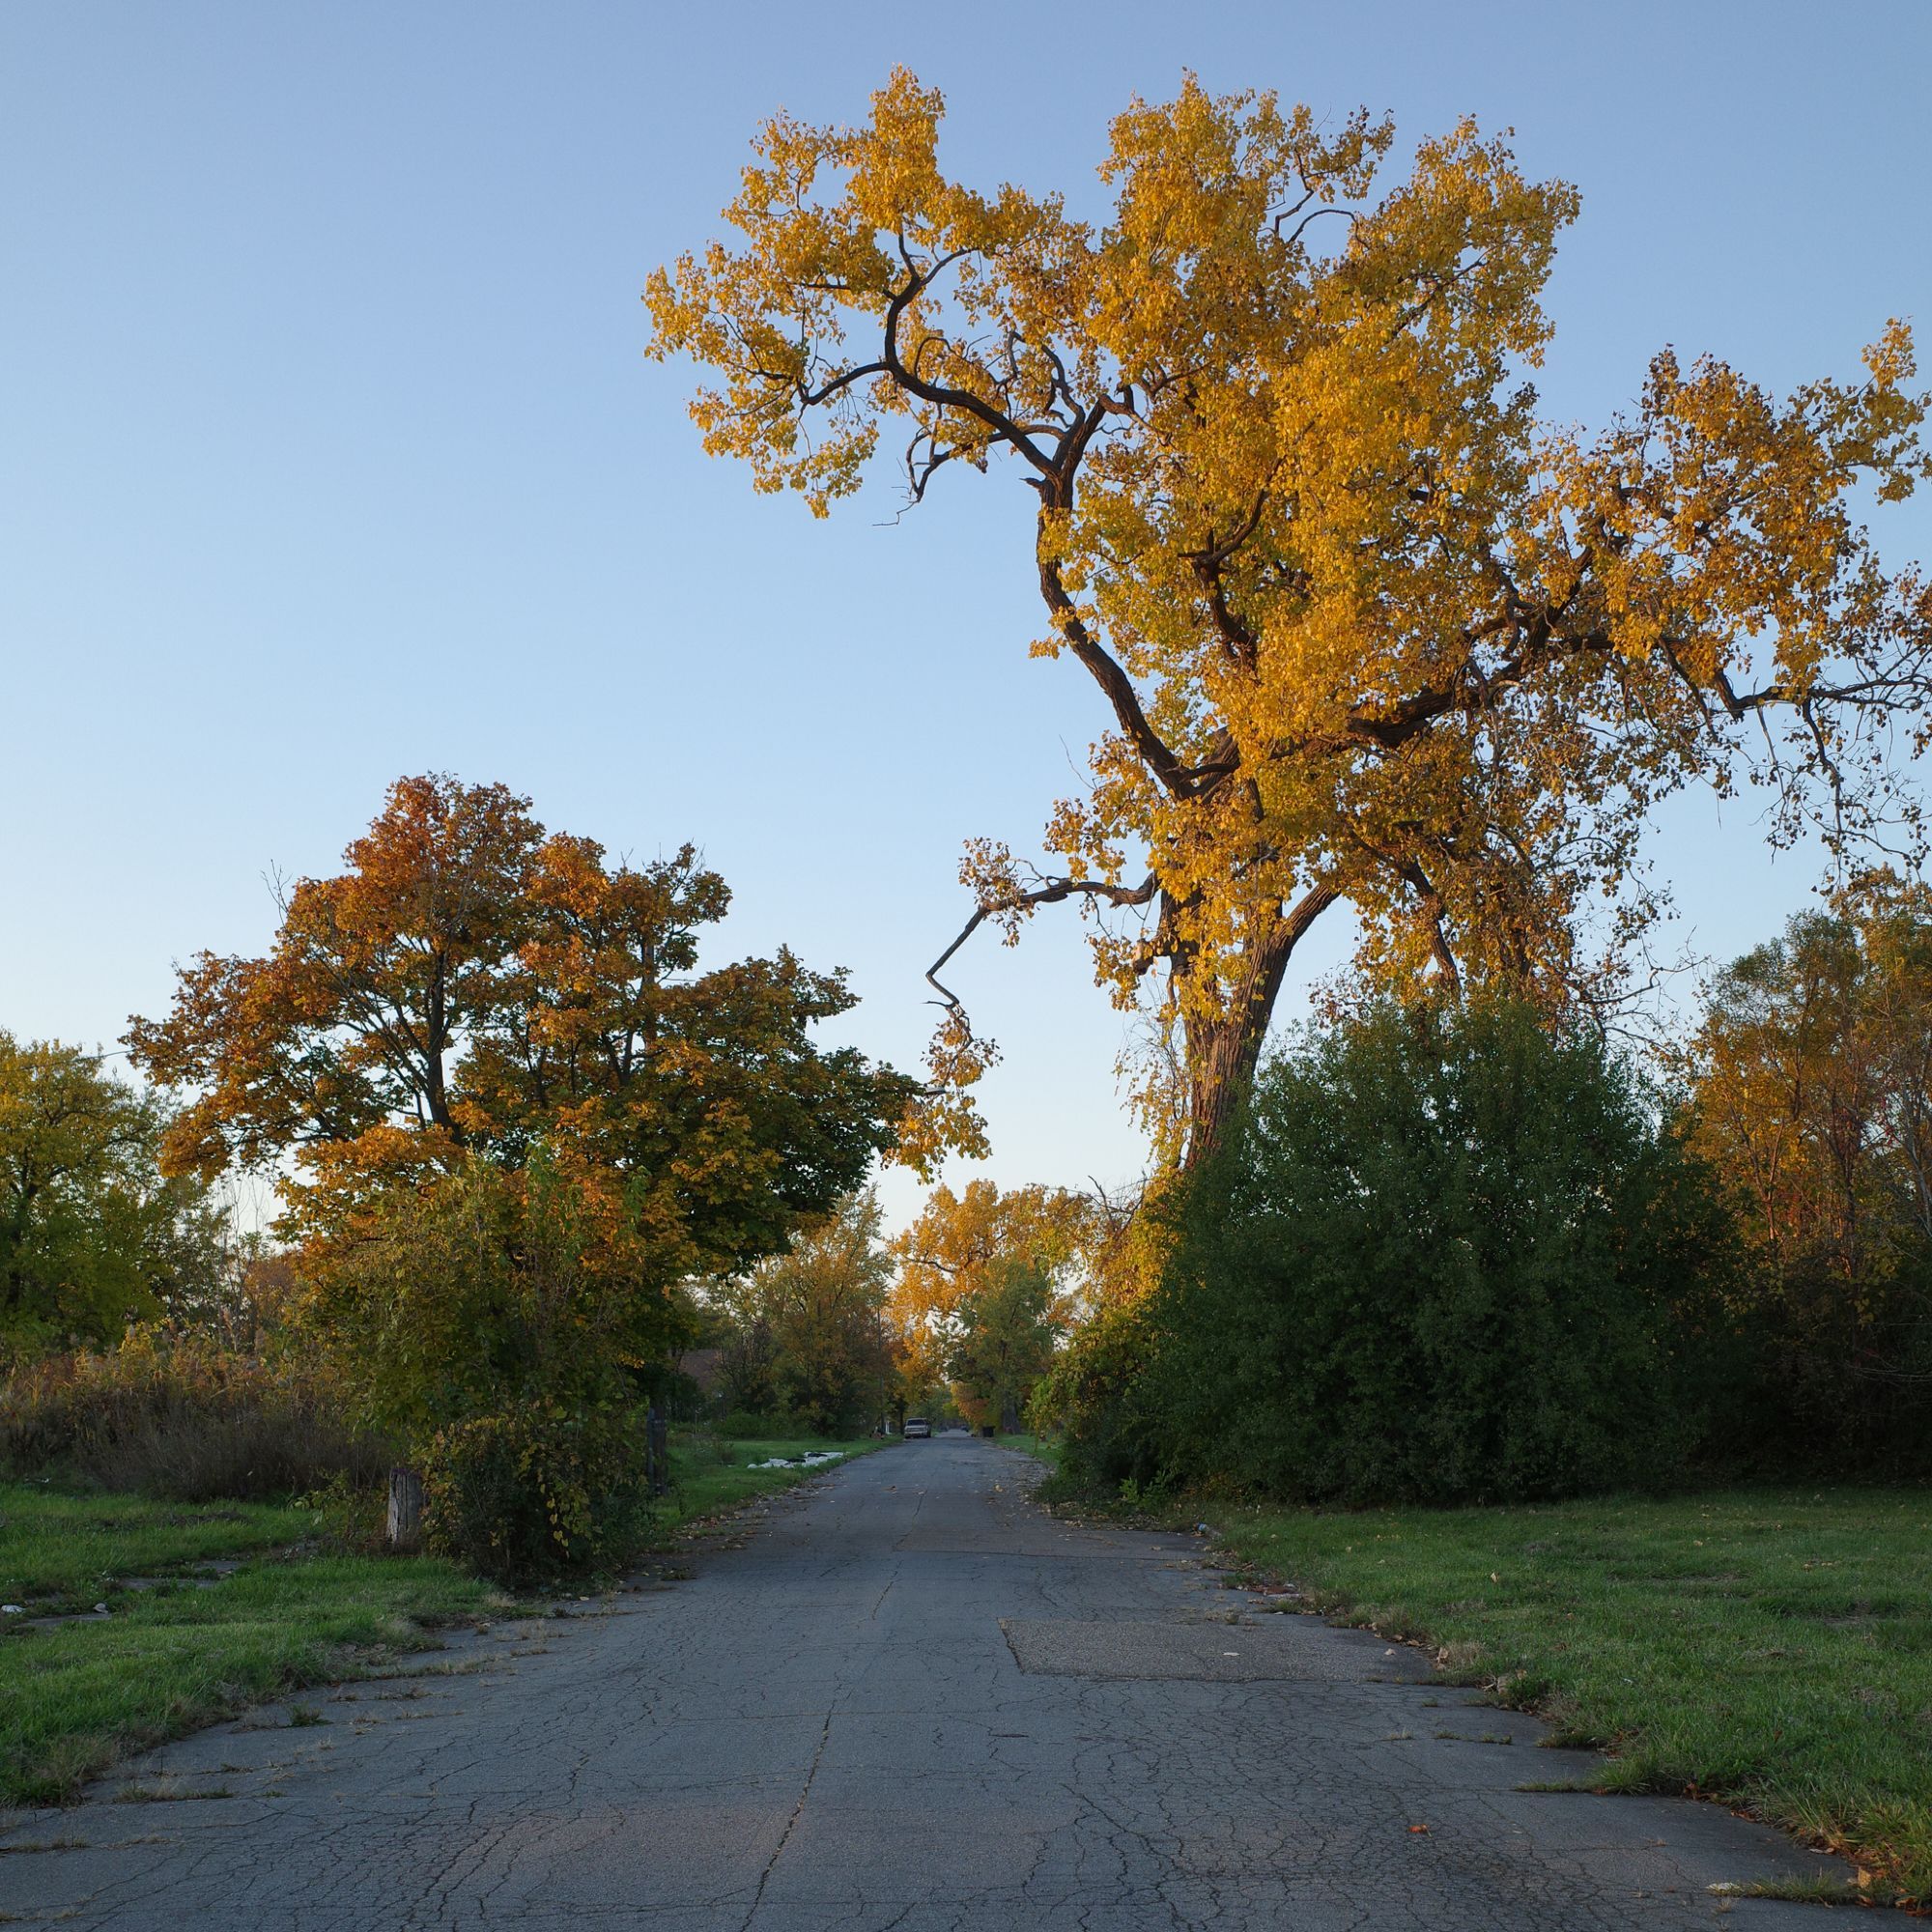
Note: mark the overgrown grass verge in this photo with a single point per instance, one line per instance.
(75, 1697)
(61, 1551)
(1043, 1448)
(1772, 1648)
(713, 1474)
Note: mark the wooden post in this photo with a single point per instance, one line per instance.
(657, 1450)
(406, 1510)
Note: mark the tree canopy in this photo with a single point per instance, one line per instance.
(1368, 632)
(516, 1117)
(1811, 1095)
(805, 1336)
(471, 985)
(986, 1279)
(91, 1235)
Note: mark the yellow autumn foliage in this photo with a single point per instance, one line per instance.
(1370, 633)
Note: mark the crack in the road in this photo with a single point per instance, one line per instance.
(790, 1826)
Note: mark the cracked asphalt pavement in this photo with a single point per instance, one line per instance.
(910, 1701)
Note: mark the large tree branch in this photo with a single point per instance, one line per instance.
(1054, 480)
(1237, 638)
(1306, 910)
(1053, 892)
(1055, 483)
(1433, 912)
(1108, 674)
(942, 395)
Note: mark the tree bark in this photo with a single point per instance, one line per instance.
(406, 1510)
(1221, 1061)
(1224, 1051)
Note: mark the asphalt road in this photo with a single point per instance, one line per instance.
(909, 1701)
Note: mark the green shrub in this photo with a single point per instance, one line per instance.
(1094, 1393)
(487, 1323)
(1446, 1256)
(183, 1418)
(526, 1497)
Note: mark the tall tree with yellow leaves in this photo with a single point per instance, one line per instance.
(1367, 632)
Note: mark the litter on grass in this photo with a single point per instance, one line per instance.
(811, 1462)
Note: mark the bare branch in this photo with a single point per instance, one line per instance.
(1294, 234)
(1052, 892)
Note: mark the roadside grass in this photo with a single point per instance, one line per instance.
(1045, 1448)
(61, 1552)
(712, 1474)
(1772, 1648)
(75, 1697)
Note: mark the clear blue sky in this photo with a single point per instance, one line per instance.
(328, 449)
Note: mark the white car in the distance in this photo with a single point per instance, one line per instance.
(916, 1425)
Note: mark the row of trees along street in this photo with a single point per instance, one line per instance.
(529, 1156)
(957, 1317)
(1455, 1216)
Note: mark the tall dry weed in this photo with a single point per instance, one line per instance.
(181, 1417)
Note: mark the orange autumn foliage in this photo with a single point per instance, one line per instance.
(471, 985)
(514, 1115)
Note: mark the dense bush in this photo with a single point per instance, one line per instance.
(182, 1418)
(527, 1495)
(489, 1323)
(1094, 1395)
(1446, 1256)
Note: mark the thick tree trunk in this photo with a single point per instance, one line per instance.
(1221, 1061)
(14, 1239)
(1223, 1051)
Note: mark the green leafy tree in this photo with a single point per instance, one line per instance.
(490, 1323)
(92, 1233)
(808, 1325)
(748, 1354)
(1007, 1334)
